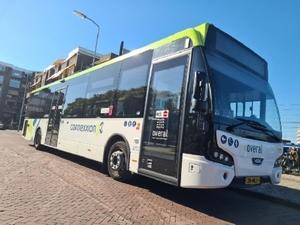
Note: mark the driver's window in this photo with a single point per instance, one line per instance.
(237, 108)
(246, 109)
(252, 109)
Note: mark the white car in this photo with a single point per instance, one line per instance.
(1, 125)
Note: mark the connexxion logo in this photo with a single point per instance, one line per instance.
(98, 129)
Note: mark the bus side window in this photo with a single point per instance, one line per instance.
(101, 90)
(74, 100)
(132, 85)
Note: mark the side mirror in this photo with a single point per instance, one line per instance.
(199, 105)
(199, 85)
(198, 102)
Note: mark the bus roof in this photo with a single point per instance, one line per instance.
(196, 34)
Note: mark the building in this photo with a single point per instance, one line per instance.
(13, 88)
(77, 60)
(17, 83)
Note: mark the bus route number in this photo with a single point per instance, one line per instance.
(162, 114)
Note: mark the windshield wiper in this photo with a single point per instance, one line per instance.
(251, 123)
(255, 125)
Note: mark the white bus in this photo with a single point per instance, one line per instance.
(194, 110)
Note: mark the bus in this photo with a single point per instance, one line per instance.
(194, 110)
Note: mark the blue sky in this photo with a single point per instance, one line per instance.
(35, 33)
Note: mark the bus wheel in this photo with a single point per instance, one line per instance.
(37, 140)
(117, 161)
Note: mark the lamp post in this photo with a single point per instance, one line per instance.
(23, 102)
(81, 15)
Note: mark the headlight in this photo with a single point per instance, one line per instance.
(220, 156)
(278, 162)
(216, 154)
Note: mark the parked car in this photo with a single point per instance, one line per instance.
(1, 125)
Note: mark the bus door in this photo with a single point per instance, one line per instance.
(160, 147)
(58, 100)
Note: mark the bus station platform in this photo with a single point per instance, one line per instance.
(287, 192)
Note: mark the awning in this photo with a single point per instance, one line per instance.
(69, 66)
(60, 72)
(58, 62)
(35, 83)
(56, 74)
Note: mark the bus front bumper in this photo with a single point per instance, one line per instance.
(199, 173)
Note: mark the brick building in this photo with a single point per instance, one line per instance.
(77, 60)
(13, 85)
(17, 83)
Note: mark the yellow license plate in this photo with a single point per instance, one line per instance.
(252, 180)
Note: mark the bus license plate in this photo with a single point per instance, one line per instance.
(252, 180)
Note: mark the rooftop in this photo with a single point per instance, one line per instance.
(16, 67)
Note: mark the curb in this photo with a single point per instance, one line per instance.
(13, 131)
(289, 177)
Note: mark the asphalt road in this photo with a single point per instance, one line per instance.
(51, 187)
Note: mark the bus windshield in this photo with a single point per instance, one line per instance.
(241, 95)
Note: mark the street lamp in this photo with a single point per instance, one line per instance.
(81, 15)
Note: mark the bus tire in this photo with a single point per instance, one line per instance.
(37, 140)
(117, 162)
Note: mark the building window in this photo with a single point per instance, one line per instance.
(14, 83)
(11, 103)
(2, 68)
(16, 73)
(52, 71)
(1, 79)
(13, 94)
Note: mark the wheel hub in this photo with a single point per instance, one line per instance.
(116, 160)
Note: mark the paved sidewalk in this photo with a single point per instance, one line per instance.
(287, 192)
